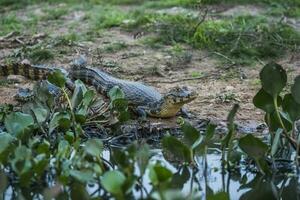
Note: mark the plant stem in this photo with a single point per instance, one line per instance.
(291, 140)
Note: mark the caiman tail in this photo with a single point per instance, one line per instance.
(27, 70)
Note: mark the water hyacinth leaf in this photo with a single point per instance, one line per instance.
(253, 146)
(296, 89)
(21, 163)
(78, 192)
(3, 182)
(171, 145)
(180, 177)
(41, 114)
(88, 97)
(218, 196)
(264, 101)
(6, 141)
(93, 147)
(142, 157)
(60, 119)
(291, 107)
(113, 182)
(17, 123)
(273, 79)
(191, 134)
(120, 104)
(159, 174)
(78, 93)
(57, 78)
(276, 141)
(116, 93)
(40, 164)
(83, 176)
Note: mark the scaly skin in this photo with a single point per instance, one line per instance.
(146, 100)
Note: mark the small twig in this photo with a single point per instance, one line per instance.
(223, 56)
(181, 80)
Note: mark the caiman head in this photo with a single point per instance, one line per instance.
(173, 101)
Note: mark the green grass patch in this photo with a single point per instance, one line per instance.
(171, 3)
(246, 37)
(54, 13)
(115, 47)
(106, 17)
(9, 23)
(41, 54)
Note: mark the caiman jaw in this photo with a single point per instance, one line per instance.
(170, 107)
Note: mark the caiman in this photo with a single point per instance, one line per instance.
(144, 99)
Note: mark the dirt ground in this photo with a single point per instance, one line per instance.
(219, 85)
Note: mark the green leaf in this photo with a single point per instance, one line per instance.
(273, 78)
(78, 93)
(113, 181)
(159, 174)
(88, 97)
(41, 114)
(60, 119)
(78, 192)
(116, 93)
(3, 182)
(191, 134)
(218, 196)
(6, 146)
(18, 123)
(264, 101)
(171, 145)
(57, 78)
(290, 106)
(142, 157)
(253, 146)
(83, 176)
(296, 89)
(180, 177)
(93, 147)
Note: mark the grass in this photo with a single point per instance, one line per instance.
(9, 23)
(115, 47)
(246, 37)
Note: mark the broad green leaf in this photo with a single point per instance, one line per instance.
(142, 157)
(159, 174)
(6, 146)
(63, 150)
(113, 181)
(264, 101)
(60, 119)
(171, 145)
(78, 93)
(21, 162)
(116, 93)
(41, 114)
(218, 196)
(290, 106)
(83, 176)
(93, 147)
(273, 78)
(57, 78)
(180, 177)
(3, 182)
(88, 97)
(191, 134)
(17, 123)
(78, 192)
(40, 164)
(296, 89)
(253, 146)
